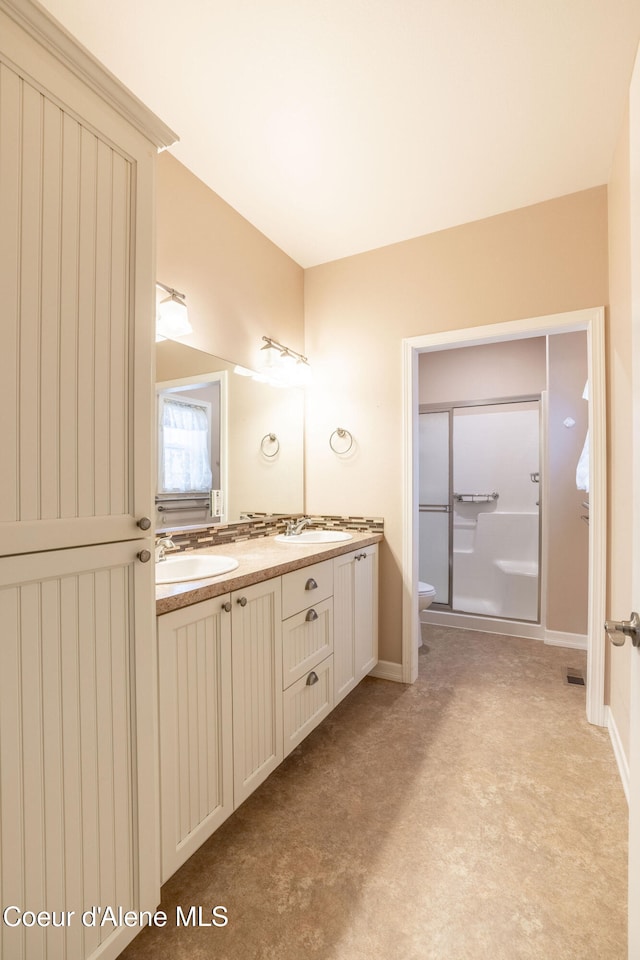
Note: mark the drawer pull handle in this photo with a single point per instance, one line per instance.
(311, 584)
(360, 556)
(242, 601)
(227, 606)
(312, 678)
(311, 615)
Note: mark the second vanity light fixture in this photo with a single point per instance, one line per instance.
(172, 317)
(283, 365)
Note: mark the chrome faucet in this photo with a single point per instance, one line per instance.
(295, 527)
(162, 545)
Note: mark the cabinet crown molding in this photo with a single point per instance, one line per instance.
(35, 20)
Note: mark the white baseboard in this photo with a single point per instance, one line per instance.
(556, 638)
(618, 752)
(510, 628)
(386, 670)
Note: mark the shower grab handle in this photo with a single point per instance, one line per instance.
(476, 497)
(434, 508)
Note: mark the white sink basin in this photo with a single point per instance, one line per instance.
(189, 567)
(315, 536)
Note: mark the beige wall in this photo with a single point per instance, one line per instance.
(484, 372)
(619, 600)
(239, 285)
(548, 258)
(568, 535)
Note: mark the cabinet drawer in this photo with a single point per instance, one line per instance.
(305, 587)
(307, 638)
(307, 703)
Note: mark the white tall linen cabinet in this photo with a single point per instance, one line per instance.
(78, 766)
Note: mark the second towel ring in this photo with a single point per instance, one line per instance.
(269, 438)
(341, 433)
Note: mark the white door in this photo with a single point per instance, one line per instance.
(256, 657)
(77, 774)
(76, 276)
(634, 749)
(196, 741)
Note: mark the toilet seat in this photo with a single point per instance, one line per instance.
(426, 590)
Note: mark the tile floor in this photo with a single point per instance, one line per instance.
(475, 815)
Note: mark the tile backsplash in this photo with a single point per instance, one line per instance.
(265, 525)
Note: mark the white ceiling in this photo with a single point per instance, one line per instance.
(337, 126)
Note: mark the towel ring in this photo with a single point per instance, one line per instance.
(269, 438)
(341, 433)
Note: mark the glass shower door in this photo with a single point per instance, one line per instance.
(434, 495)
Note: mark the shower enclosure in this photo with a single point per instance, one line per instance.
(479, 493)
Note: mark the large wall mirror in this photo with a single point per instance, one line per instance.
(247, 441)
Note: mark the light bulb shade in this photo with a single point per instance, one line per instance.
(172, 318)
(283, 367)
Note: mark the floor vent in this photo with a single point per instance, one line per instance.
(575, 676)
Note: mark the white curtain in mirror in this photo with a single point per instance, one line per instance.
(185, 446)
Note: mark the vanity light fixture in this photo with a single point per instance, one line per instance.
(284, 366)
(172, 317)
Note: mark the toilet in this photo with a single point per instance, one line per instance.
(426, 596)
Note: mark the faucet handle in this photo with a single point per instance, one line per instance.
(162, 544)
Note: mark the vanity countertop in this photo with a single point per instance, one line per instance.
(259, 559)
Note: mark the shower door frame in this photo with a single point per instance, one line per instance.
(591, 321)
(449, 408)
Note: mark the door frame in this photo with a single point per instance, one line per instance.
(592, 322)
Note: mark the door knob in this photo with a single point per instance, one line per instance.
(619, 630)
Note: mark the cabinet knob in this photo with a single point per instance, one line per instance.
(242, 601)
(311, 615)
(312, 678)
(311, 584)
(227, 606)
(144, 523)
(144, 556)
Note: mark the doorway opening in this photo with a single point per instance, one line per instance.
(592, 323)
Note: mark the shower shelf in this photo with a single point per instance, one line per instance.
(475, 497)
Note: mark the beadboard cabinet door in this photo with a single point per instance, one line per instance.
(196, 727)
(77, 184)
(77, 770)
(355, 609)
(256, 656)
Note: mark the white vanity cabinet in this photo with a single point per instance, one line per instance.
(307, 650)
(355, 611)
(245, 677)
(196, 731)
(257, 684)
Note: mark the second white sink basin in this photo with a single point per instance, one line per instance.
(315, 536)
(189, 567)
